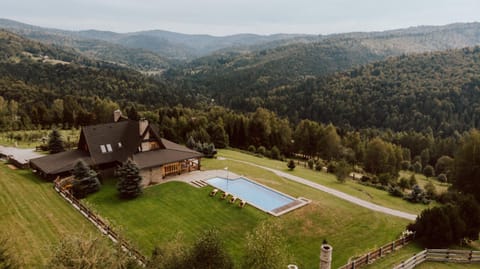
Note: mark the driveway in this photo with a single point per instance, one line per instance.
(336, 193)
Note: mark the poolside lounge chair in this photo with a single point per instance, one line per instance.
(213, 192)
(224, 195)
(233, 199)
(242, 203)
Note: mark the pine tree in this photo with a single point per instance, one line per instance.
(191, 143)
(55, 142)
(85, 180)
(86, 185)
(129, 184)
(80, 170)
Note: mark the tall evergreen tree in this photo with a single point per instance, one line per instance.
(85, 180)
(55, 142)
(129, 182)
(467, 165)
(80, 170)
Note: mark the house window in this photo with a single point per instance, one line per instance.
(119, 145)
(109, 148)
(103, 148)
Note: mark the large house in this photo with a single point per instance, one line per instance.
(106, 146)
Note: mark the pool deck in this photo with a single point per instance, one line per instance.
(198, 178)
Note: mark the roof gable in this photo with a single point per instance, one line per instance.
(111, 141)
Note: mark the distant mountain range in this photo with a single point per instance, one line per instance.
(157, 50)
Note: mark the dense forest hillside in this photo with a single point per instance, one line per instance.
(231, 77)
(439, 90)
(44, 84)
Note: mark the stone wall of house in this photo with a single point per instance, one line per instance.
(151, 175)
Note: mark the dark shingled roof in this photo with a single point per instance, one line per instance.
(124, 132)
(60, 162)
(155, 158)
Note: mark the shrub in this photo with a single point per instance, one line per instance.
(417, 196)
(428, 171)
(310, 163)
(275, 153)
(395, 191)
(319, 164)
(417, 167)
(332, 167)
(261, 150)
(442, 178)
(252, 148)
(291, 165)
(405, 165)
(403, 183)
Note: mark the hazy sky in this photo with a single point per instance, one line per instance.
(223, 17)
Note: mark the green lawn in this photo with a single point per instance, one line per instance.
(169, 208)
(34, 217)
(370, 194)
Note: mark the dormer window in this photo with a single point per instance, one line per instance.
(103, 148)
(119, 145)
(109, 148)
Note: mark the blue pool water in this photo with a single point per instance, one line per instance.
(255, 194)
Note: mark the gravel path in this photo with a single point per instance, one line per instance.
(336, 193)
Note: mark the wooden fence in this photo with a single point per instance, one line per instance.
(441, 255)
(378, 253)
(100, 224)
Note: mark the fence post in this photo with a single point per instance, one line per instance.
(368, 257)
(470, 255)
(393, 246)
(353, 264)
(381, 252)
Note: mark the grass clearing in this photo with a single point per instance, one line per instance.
(423, 180)
(34, 217)
(33, 138)
(167, 209)
(366, 193)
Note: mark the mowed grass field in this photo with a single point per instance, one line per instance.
(366, 193)
(167, 209)
(34, 217)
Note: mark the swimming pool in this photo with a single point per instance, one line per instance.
(260, 196)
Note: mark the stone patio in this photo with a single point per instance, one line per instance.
(197, 178)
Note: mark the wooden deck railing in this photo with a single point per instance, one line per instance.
(100, 224)
(378, 253)
(441, 255)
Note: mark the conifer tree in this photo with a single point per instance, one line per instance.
(80, 170)
(129, 183)
(85, 180)
(55, 142)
